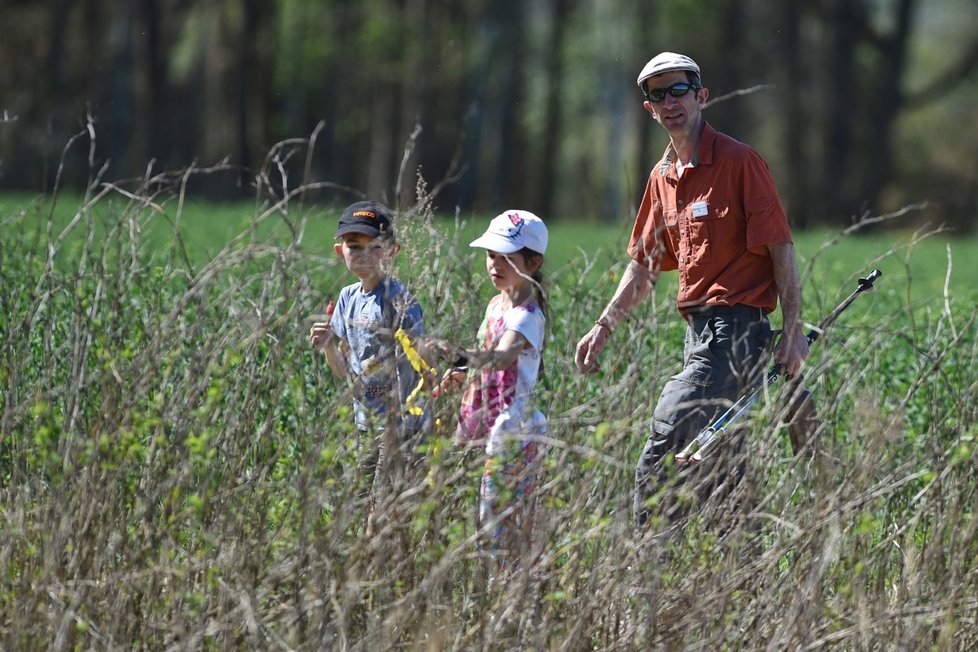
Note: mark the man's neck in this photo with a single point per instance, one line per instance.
(686, 143)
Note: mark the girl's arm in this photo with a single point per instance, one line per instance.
(507, 350)
(505, 353)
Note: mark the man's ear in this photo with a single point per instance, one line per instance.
(393, 248)
(648, 107)
(338, 248)
(703, 95)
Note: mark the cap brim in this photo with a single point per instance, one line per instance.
(357, 228)
(494, 242)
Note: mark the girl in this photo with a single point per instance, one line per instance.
(498, 409)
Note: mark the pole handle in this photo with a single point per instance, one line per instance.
(866, 283)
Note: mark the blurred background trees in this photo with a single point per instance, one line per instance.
(860, 105)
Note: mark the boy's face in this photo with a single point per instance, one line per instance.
(366, 257)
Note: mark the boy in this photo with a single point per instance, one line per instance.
(358, 341)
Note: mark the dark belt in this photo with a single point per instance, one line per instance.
(373, 391)
(737, 311)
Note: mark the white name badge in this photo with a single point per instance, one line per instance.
(700, 208)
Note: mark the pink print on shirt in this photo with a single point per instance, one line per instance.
(492, 391)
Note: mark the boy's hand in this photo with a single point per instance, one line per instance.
(321, 335)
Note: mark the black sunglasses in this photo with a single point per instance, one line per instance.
(676, 90)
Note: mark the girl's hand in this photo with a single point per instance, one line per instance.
(452, 380)
(321, 335)
(445, 350)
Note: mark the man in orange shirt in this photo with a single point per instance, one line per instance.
(712, 212)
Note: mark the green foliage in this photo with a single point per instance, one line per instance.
(179, 468)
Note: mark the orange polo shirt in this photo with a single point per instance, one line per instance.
(713, 224)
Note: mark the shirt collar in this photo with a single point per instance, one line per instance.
(704, 151)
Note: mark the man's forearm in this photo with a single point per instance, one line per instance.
(788, 280)
(635, 285)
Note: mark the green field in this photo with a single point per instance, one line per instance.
(179, 470)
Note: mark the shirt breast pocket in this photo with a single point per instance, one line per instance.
(706, 220)
(706, 211)
(670, 218)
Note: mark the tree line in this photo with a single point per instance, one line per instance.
(859, 106)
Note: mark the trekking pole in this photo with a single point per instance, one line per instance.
(695, 451)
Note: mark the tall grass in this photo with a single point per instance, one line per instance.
(179, 470)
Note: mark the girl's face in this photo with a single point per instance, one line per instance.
(509, 271)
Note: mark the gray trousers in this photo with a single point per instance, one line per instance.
(727, 349)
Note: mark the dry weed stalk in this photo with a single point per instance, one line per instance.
(178, 470)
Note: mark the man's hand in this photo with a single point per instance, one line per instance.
(791, 351)
(590, 347)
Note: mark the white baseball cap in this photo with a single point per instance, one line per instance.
(667, 62)
(513, 230)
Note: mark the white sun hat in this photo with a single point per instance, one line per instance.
(667, 62)
(513, 230)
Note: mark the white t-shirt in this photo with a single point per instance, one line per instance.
(500, 403)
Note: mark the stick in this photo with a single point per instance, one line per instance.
(695, 451)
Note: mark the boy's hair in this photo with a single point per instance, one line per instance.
(367, 217)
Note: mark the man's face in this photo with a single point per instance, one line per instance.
(676, 114)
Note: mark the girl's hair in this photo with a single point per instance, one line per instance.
(538, 281)
(542, 301)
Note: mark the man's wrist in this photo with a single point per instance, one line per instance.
(602, 322)
(793, 327)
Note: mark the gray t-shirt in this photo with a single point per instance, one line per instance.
(383, 375)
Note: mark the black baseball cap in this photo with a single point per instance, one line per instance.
(367, 217)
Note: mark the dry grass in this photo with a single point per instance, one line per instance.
(178, 470)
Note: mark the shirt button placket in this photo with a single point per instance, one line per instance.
(684, 244)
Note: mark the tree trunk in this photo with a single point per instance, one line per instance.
(847, 21)
(511, 166)
(121, 93)
(734, 60)
(795, 191)
(157, 86)
(545, 200)
(645, 156)
(886, 102)
(58, 104)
